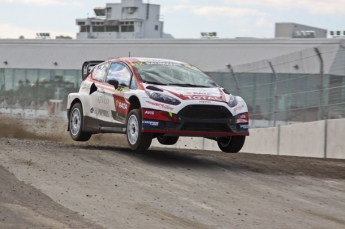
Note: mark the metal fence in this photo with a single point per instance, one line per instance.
(36, 92)
(304, 86)
(299, 87)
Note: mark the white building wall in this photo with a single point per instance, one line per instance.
(115, 10)
(208, 54)
(152, 22)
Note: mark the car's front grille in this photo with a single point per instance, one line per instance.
(209, 127)
(205, 112)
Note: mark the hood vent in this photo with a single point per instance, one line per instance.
(154, 88)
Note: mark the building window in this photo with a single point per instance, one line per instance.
(113, 28)
(84, 28)
(98, 28)
(156, 27)
(127, 28)
(81, 23)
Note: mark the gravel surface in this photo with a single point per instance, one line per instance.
(55, 183)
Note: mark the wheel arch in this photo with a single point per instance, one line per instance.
(134, 103)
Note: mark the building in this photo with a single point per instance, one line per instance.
(294, 30)
(130, 19)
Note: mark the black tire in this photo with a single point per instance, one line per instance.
(137, 140)
(231, 144)
(75, 122)
(167, 140)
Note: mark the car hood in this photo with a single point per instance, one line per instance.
(193, 93)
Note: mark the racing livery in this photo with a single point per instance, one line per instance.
(147, 98)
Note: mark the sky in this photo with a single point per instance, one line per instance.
(182, 18)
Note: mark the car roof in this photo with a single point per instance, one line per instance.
(145, 59)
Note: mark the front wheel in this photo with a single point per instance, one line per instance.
(76, 120)
(137, 140)
(231, 144)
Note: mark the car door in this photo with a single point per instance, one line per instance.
(120, 72)
(100, 104)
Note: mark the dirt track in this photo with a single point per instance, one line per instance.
(102, 184)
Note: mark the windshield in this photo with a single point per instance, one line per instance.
(171, 73)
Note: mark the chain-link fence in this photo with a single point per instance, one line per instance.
(304, 86)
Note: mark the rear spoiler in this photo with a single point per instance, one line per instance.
(87, 66)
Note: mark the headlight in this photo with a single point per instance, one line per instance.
(232, 101)
(164, 98)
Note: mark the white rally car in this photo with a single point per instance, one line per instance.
(148, 98)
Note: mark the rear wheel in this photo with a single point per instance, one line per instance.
(167, 140)
(231, 144)
(137, 140)
(76, 120)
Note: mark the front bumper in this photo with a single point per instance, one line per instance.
(195, 120)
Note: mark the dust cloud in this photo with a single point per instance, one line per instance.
(51, 129)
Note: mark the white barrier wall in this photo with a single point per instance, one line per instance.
(262, 141)
(335, 138)
(312, 139)
(306, 139)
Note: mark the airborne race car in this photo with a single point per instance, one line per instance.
(148, 98)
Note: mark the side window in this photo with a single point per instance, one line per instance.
(133, 84)
(119, 72)
(100, 71)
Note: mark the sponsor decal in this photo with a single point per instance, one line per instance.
(201, 93)
(120, 118)
(205, 101)
(161, 105)
(238, 107)
(150, 112)
(244, 127)
(203, 97)
(103, 112)
(196, 93)
(155, 63)
(92, 110)
(150, 123)
(137, 63)
(103, 100)
(121, 105)
(163, 63)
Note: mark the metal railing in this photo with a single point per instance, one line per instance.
(299, 87)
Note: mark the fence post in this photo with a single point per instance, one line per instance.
(275, 94)
(235, 77)
(325, 140)
(320, 84)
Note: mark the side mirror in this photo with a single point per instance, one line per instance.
(115, 83)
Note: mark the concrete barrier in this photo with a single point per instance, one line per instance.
(262, 141)
(306, 139)
(321, 139)
(335, 138)
(210, 145)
